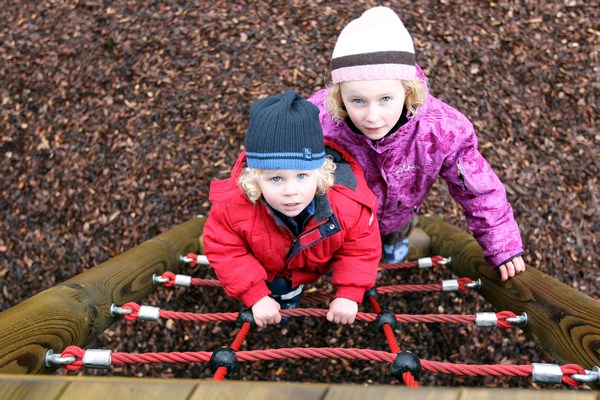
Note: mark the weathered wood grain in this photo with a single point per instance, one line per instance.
(564, 321)
(78, 310)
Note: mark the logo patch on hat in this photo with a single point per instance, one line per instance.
(308, 153)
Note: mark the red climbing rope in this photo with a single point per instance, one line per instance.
(221, 372)
(431, 287)
(388, 330)
(322, 312)
(323, 353)
(406, 366)
(194, 281)
(409, 379)
(435, 261)
(461, 284)
(425, 262)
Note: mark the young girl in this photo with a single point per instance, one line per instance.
(284, 219)
(379, 109)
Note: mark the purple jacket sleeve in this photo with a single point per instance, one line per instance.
(473, 184)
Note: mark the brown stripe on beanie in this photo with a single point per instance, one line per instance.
(380, 57)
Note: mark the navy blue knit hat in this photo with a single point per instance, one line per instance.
(284, 133)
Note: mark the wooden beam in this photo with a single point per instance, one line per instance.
(562, 320)
(25, 387)
(76, 311)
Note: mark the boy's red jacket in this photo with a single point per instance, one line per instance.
(247, 244)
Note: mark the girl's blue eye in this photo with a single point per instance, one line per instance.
(357, 101)
(301, 176)
(385, 99)
(276, 179)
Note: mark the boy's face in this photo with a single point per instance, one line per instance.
(373, 106)
(288, 191)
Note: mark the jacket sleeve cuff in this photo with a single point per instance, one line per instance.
(351, 293)
(255, 293)
(496, 262)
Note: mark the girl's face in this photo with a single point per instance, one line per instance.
(373, 106)
(288, 191)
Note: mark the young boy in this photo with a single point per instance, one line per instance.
(284, 219)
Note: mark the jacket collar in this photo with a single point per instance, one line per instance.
(295, 224)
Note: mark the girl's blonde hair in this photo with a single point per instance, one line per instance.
(248, 180)
(416, 94)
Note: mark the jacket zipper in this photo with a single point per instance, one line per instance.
(296, 240)
(461, 177)
(467, 183)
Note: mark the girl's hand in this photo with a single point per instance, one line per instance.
(266, 311)
(342, 311)
(511, 268)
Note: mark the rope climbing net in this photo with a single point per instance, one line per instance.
(406, 367)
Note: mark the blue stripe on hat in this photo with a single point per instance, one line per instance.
(296, 161)
(303, 156)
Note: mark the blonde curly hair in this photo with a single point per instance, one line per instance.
(416, 94)
(248, 180)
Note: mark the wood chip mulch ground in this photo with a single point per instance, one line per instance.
(115, 116)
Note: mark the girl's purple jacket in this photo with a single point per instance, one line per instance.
(401, 168)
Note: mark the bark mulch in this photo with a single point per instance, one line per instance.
(114, 117)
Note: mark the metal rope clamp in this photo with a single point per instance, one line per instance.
(449, 285)
(201, 259)
(183, 280)
(97, 358)
(486, 319)
(546, 373)
(425, 262)
(149, 313)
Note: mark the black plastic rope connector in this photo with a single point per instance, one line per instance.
(245, 315)
(385, 317)
(406, 361)
(371, 293)
(224, 357)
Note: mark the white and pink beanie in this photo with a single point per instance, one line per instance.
(375, 46)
